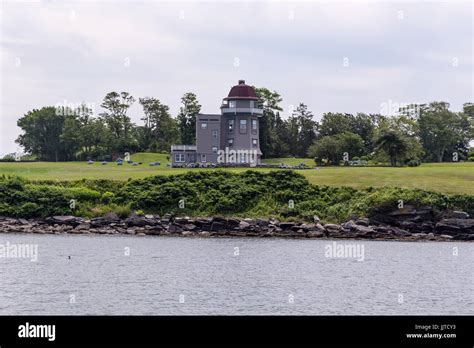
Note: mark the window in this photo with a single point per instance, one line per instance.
(243, 157)
(232, 104)
(214, 134)
(203, 158)
(204, 125)
(254, 142)
(231, 125)
(179, 157)
(231, 142)
(254, 125)
(243, 126)
(214, 149)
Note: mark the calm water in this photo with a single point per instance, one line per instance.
(165, 275)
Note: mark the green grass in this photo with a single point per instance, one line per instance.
(450, 178)
(292, 161)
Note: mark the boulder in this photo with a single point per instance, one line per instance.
(64, 220)
(174, 228)
(105, 220)
(243, 225)
(363, 222)
(218, 226)
(83, 226)
(455, 226)
(286, 225)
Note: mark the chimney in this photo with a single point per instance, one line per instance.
(241, 82)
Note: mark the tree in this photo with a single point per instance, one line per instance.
(335, 123)
(188, 111)
(331, 149)
(306, 128)
(364, 125)
(442, 131)
(160, 128)
(269, 101)
(325, 150)
(392, 143)
(42, 134)
(117, 121)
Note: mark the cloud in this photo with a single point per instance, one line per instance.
(78, 51)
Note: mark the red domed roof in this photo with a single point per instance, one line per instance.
(242, 91)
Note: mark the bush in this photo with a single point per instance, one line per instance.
(207, 193)
(414, 163)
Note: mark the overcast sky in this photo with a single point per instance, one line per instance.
(339, 57)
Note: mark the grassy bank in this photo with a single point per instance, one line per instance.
(449, 178)
(282, 194)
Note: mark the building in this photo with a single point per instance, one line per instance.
(231, 137)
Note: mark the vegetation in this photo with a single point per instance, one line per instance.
(449, 178)
(417, 133)
(283, 194)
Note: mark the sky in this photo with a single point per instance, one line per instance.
(336, 56)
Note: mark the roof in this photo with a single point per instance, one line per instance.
(242, 91)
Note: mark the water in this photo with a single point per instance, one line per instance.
(166, 275)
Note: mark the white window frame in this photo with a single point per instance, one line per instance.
(177, 158)
(215, 134)
(244, 129)
(203, 125)
(232, 104)
(203, 158)
(230, 142)
(254, 142)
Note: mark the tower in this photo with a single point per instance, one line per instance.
(240, 112)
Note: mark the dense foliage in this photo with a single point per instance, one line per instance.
(405, 135)
(282, 194)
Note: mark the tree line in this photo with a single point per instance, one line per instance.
(419, 132)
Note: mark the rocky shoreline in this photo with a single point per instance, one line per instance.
(408, 224)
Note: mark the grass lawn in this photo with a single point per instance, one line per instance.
(449, 178)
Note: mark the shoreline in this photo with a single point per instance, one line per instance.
(389, 227)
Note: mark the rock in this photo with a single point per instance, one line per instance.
(262, 222)
(64, 220)
(459, 215)
(349, 225)
(446, 236)
(399, 232)
(315, 234)
(286, 225)
(105, 220)
(316, 219)
(187, 233)
(204, 234)
(218, 226)
(233, 222)
(243, 225)
(363, 222)
(189, 227)
(182, 220)
(83, 226)
(407, 213)
(174, 228)
(23, 222)
(332, 227)
(455, 226)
